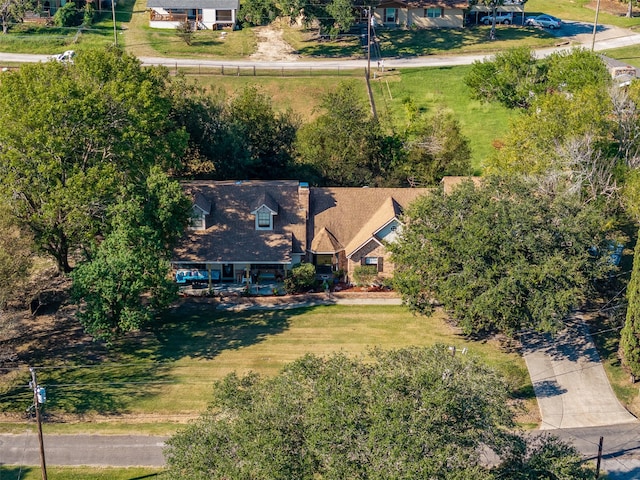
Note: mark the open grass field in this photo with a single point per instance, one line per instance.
(611, 11)
(427, 88)
(630, 55)
(165, 376)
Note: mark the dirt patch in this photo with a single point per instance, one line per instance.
(613, 7)
(272, 47)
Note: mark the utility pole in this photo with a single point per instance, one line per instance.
(113, 15)
(599, 457)
(369, 20)
(595, 26)
(36, 402)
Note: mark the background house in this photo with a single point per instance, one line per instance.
(421, 13)
(257, 230)
(205, 14)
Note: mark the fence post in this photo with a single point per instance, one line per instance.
(238, 73)
(254, 70)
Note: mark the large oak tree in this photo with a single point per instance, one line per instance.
(403, 414)
(71, 134)
(501, 256)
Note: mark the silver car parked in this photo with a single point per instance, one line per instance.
(544, 21)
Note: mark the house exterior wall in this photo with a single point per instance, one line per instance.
(452, 18)
(371, 249)
(390, 232)
(207, 17)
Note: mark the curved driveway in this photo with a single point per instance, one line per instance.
(569, 380)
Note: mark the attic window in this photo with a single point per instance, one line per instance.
(264, 219)
(197, 220)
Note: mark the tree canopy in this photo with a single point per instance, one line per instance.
(516, 77)
(15, 256)
(500, 256)
(70, 134)
(345, 144)
(435, 147)
(404, 414)
(13, 11)
(126, 282)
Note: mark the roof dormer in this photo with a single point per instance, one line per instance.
(199, 211)
(264, 213)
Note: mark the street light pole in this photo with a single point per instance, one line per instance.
(36, 402)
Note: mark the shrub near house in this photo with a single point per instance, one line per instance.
(301, 278)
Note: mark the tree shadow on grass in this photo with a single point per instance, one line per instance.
(16, 471)
(82, 376)
(403, 43)
(202, 332)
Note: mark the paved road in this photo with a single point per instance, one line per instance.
(97, 450)
(578, 33)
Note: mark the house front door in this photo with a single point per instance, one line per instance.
(227, 271)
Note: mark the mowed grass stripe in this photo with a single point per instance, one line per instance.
(211, 345)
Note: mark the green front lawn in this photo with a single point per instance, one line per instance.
(79, 473)
(168, 372)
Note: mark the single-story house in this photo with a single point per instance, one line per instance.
(251, 230)
(204, 14)
(421, 13)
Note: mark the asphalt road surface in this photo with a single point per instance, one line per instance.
(577, 33)
(98, 450)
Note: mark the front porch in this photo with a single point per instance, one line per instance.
(255, 279)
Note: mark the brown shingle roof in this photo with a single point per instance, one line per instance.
(458, 4)
(325, 242)
(345, 212)
(231, 235)
(387, 212)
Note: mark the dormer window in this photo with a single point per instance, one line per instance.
(197, 219)
(201, 208)
(266, 209)
(264, 218)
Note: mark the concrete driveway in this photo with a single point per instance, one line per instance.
(607, 36)
(569, 380)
